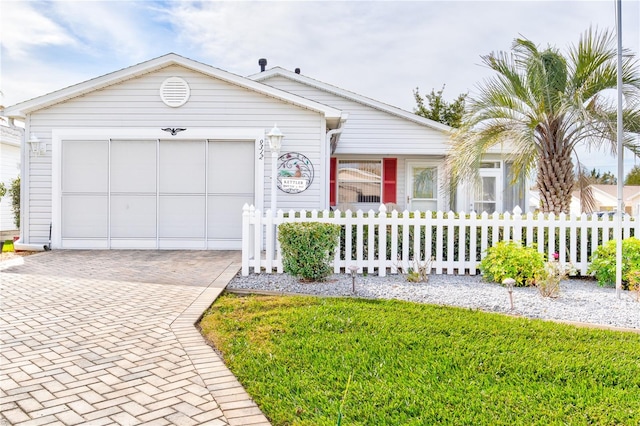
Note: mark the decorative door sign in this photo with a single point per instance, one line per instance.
(295, 172)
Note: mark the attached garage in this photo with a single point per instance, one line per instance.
(154, 193)
(162, 155)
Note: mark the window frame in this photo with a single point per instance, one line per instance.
(340, 181)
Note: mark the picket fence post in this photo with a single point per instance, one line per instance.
(246, 241)
(382, 240)
(261, 250)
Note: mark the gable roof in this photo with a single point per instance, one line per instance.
(20, 110)
(611, 192)
(281, 72)
(10, 135)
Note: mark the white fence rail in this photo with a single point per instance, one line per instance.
(411, 238)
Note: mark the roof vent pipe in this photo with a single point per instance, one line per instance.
(297, 70)
(263, 63)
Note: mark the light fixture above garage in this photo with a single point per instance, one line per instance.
(175, 92)
(38, 147)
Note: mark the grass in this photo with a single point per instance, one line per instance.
(413, 364)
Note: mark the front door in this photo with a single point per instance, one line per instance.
(488, 196)
(422, 186)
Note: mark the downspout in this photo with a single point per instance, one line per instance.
(332, 137)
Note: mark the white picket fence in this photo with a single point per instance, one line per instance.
(408, 238)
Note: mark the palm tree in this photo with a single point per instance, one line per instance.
(545, 104)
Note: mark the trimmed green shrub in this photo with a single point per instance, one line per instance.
(603, 262)
(307, 248)
(508, 259)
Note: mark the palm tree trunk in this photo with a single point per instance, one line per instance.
(555, 179)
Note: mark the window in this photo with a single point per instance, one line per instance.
(486, 198)
(359, 181)
(425, 182)
(490, 165)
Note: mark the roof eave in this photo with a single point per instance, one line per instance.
(21, 110)
(277, 71)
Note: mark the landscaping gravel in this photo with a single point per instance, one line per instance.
(580, 300)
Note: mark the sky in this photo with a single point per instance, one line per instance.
(380, 49)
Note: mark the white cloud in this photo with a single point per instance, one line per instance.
(379, 49)
(384, 49)
(24, 27)
(117, 27)
(32, 78)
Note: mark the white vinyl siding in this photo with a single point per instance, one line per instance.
(10, 139)
(369, 130)
(213, 103)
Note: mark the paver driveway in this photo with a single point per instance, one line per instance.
(108, 337)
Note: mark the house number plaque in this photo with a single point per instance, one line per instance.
(295, 173)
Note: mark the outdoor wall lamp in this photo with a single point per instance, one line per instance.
(274, 137)
(38, 147)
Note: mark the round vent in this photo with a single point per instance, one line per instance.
(174, 92)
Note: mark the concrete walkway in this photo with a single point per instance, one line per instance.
(108, 337)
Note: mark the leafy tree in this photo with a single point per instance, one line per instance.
(3, 190)
(438, 109)
(633, 177)
(544, 104)
(606, 178)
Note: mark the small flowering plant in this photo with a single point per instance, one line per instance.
(548, 281)
(634, 282)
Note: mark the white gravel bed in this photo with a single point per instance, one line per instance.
(580, 300)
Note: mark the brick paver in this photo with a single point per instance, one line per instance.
(108, 337)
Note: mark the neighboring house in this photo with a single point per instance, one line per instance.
(10, 138)
(605, 197)
(165, 153)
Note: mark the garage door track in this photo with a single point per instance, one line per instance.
(108, 337)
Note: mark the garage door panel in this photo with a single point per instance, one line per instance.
(182, 216)
(225, 215)
(182, 167)
(133, 216)
(231, 167)
(133, 166)
(84, 216)
(86, 166)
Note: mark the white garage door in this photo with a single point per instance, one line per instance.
(166, 194)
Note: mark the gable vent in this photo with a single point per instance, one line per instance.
(174, 92)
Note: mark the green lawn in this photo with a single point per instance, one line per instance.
(413, 364)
